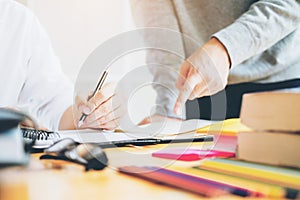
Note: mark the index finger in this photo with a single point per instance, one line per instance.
(184, 95)
(183, 73)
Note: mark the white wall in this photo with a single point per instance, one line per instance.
(77, 27)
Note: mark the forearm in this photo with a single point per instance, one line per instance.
(262, 26)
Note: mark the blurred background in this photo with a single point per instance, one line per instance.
(77, 27)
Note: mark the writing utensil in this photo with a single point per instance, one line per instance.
(153, 141)
(98, 87)
(253, 187)
(213, 183)
(155, 175)
(270, 174)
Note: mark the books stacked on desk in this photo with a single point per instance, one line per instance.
(274, 118)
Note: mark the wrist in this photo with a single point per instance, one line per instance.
(67, 120)
(218, 52)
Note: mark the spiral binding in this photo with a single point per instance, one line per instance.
(39, 134)
(40, 138)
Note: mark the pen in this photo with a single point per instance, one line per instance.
(154, 141)
(98, 87)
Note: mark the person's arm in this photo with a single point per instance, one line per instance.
(160, 14)
(263, 25)
(46, 93)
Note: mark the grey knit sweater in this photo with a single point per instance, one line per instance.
(262, 37)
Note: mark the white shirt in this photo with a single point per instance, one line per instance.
(30, 73)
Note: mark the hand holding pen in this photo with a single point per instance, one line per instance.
(101, 110)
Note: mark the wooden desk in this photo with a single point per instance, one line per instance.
(61, 180)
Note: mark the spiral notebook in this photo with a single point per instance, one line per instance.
(43, 139)
(183, 131)
(40, 138)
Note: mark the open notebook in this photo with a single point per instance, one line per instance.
(168, 130)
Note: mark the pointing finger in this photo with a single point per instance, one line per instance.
(184, 71)
(185, 93)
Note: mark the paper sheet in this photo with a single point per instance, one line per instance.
(96, 136)
(170, 127)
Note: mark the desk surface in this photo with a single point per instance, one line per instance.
(61, 180)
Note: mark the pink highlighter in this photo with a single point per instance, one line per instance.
(191, 154)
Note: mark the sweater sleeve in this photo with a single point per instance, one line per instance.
(263, 25)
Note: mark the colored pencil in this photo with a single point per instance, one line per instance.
(154, 175)
(270, 174)
(254, 188)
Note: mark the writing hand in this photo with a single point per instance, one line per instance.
(103, 110)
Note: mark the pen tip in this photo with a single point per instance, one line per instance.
(80, 123)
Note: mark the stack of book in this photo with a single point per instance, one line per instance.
(274, 118)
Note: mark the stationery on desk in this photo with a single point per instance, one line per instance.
(215, 177)
(266, 175)
(191, 154)
(169, 132)
(228, 127)
(98, 87)
(285, 177)
(212, 177)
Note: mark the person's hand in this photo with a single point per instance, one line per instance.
(157, 118)
(203, 74)
(103, 110)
